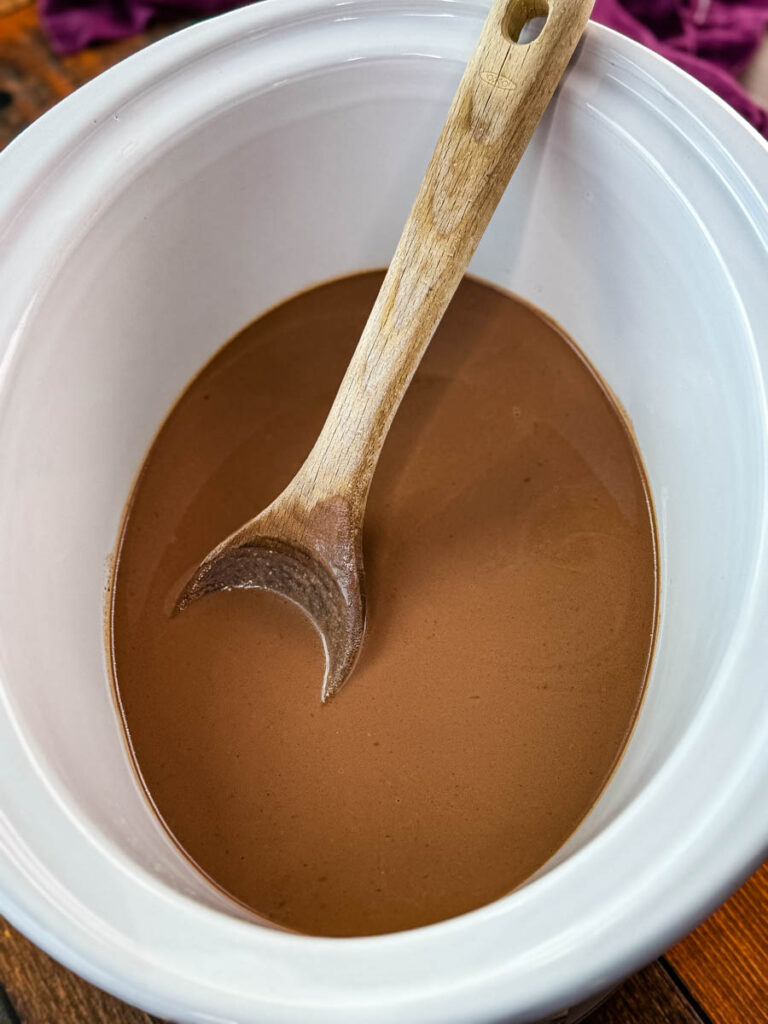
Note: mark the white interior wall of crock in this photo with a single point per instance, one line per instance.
(306, 181)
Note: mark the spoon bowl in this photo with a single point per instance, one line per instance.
(311, 556)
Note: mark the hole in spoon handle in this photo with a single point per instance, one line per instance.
(524, 20)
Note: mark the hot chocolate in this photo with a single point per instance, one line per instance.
(511, 588)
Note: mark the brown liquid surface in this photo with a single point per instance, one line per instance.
(510, 558)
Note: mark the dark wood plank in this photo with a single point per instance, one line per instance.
(724, 962)
(40, 991)
(648, 997)
(7, 1013)
(9, 6)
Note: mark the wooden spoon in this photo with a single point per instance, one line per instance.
(307, 545)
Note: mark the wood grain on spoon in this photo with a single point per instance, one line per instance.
(307, 545)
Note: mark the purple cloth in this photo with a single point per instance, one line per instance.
(73, 24)
(711, 39)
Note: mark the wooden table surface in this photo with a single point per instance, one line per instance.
(718, 975)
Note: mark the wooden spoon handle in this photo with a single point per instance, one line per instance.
(504, 91)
